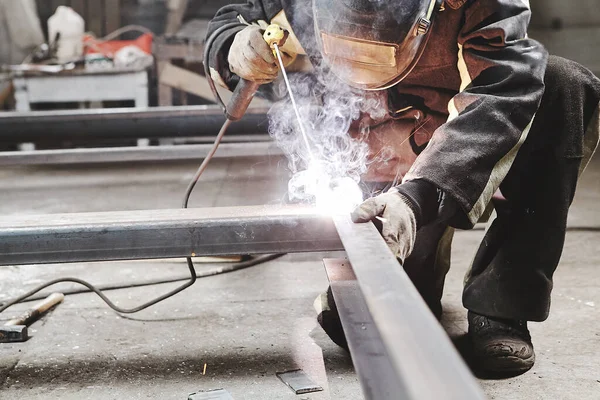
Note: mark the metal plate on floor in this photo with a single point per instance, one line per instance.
(218, 394)
(299, 382)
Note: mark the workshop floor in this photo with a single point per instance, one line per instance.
(245, 327)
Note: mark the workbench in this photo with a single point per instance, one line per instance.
(81, 85)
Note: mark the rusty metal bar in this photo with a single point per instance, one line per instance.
(124, 124)
(151, 234)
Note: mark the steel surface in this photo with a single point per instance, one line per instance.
(151, 234)
(420, 350)
(372, 364)
(127, 154)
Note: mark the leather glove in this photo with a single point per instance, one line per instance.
(251, 58)
(399, 223)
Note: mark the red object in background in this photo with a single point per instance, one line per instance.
(109, 48)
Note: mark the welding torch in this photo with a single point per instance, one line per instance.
(245, 90)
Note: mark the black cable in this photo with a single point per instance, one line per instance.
(29, 296)
(205, 163)
(94, 289)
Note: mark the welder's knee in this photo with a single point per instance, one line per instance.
(569, 108)
(570, 78)
(578, 85)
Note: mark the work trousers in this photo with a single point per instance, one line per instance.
(511, 274)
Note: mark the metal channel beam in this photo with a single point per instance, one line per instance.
(129, 154)
(124, 123)
(424, 358)
(369, 356)
(150, 234)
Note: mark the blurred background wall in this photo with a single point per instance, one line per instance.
(568, 28)
(150, 13)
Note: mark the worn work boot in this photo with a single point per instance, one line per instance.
(329, 319)
(501, 346)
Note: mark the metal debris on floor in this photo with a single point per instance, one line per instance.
(217, 394)
(299, 382)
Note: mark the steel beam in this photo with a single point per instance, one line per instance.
(424, 358)
(371, 362)
(129, 154)
(151, 234)
(124, 123)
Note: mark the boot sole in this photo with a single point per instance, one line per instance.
(506, 365)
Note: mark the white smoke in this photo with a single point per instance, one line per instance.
(328, 173)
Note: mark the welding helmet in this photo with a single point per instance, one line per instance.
(373, 44)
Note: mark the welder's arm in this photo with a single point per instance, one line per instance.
(238, 16)
(502, 85)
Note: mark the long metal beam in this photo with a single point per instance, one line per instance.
(424, 358)
(129, 154)
(151, 234)
(370, 358)
(124, 123)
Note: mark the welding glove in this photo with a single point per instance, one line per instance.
(251, 58)
(398, 221)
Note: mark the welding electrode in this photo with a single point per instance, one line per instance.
(245, 90)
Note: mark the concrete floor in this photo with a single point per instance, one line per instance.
(249, 325)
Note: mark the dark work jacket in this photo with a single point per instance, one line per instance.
(480, 78)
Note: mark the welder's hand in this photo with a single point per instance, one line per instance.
(251, 58)
(398, 221)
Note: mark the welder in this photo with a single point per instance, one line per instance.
(494, 122)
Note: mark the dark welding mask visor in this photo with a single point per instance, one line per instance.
(373, 44)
